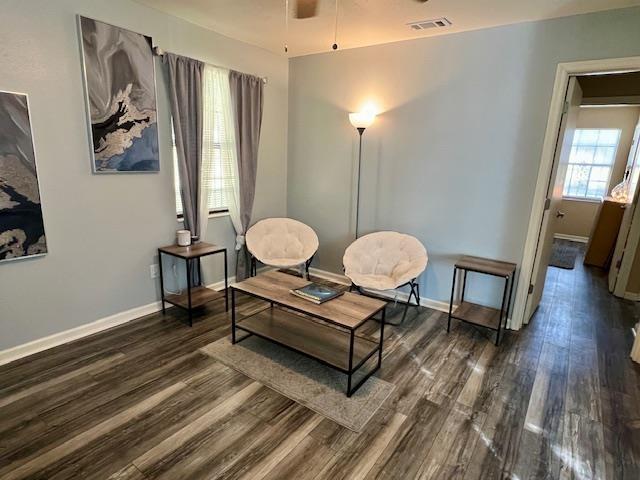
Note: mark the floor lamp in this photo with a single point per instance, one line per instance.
(360, 120)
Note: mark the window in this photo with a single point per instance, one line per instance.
(592, 156)
(217, 146)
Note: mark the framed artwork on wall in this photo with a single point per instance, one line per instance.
(21, 223)
(119, 78)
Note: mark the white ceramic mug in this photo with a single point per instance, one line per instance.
(184, 238)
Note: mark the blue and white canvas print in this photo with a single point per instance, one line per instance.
(21, 225)
(121, 97)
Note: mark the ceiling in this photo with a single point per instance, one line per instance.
(363, 22)
(610, 86)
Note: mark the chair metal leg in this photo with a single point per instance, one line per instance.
(253, 269)
(413, 292)
(404, 314)
(415, 288)
(306, 267)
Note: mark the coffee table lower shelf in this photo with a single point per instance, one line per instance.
(322, 342)
(337, 348)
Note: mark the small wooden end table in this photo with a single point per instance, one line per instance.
(195, 296)
(480, 315)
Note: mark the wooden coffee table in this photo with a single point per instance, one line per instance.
(326, 332)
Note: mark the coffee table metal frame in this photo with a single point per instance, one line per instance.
(350, 330)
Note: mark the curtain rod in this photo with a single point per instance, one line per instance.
(158, 52)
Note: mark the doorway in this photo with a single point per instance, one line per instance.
(591, 188)
(557, 165)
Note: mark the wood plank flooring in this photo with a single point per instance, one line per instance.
(558, 400)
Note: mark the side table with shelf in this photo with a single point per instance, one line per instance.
(480, 315)
(195, 296)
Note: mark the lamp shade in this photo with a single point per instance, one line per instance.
(362, 119)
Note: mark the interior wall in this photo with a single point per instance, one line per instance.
(579, 217)
(453, 156)
(103, 230)
(580, 214)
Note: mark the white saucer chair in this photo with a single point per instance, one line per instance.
(281, 243)
(385, 261)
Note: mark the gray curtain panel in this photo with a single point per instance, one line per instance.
(185, 96)
(247, 99)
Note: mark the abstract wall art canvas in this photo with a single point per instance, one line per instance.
(121, 97)
(21, 225)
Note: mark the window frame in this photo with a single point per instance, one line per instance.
(611, 166)
(213, 212)
(217, 213)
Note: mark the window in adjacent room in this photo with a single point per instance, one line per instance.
(216, 153)
(593, 154)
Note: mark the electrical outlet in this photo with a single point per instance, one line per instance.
(154, 270)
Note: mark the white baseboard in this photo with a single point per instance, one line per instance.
(634, 297)
(402, 296)
(425, 302)
(35, 346)
(220, 285)
(395, 294)
(572, 238)
(60, 338)
(333, 277)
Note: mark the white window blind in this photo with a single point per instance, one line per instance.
(593, 154)
(216, 145)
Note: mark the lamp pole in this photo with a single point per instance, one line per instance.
(360, 132)
(360, 120)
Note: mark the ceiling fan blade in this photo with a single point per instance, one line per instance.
(306, 8)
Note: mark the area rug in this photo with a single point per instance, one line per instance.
(564, 254)
(316, 386)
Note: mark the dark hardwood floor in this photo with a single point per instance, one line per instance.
(560, 399)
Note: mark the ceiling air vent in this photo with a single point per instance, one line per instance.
(429, 24)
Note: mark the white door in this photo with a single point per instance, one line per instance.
(554, 196)
(633, 167)
(633, 162)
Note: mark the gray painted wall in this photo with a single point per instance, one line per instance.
(102, 231)
(453, 158)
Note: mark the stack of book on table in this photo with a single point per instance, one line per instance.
(316, 293)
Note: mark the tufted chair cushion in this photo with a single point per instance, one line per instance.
(384, 260)
(281, 242)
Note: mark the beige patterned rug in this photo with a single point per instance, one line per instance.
(316, 386)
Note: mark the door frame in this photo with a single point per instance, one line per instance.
(554, 195)
(630, 245)
(618, 284)
(563, 72)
